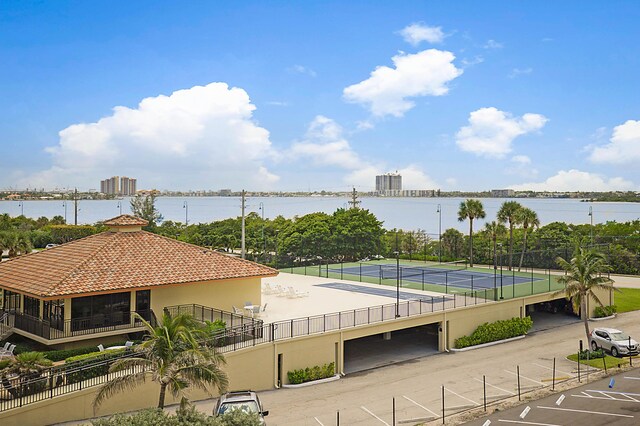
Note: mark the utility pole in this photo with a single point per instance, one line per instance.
(75, 206)
(354, 199)
(242, 247)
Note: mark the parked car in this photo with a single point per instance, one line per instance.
(614, 341)
(48, 246)
(246, 401)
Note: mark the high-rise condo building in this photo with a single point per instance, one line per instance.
(389, 184)
(117, 185)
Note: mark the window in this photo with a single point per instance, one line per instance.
(143, 303)
(53, 311)
(11, 301)
(31, 307)
(100, 311)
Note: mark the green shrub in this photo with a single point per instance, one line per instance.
(604, 311)
(587, 354)
(499, 330)
(4, 364)
(190, 416)
(64, 354)
(81, 369)
(311, 373)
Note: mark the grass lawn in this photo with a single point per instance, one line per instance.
(612, 362)
(627, 300)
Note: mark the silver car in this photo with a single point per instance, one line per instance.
(614, 341)
(246, 401)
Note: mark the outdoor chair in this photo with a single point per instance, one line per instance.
(100, 347)
(264, 308)
(237, 311)
(8, 353)
(6, 347)
(256, 310)
(128, 344)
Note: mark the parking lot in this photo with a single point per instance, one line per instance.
(599, 403)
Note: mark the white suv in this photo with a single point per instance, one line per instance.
(614, 341)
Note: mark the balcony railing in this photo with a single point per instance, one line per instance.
(58, 329)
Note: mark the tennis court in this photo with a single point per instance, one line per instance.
(455, 274)
(379, 291)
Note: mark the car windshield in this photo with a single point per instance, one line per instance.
(245, 406)
(619, 336)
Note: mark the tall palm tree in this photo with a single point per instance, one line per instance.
(509, 213)
(527, 218)
(584, 276)
(495, 230)
(175, 356)
(471, 209)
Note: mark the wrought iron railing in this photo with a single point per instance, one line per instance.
(57, 329)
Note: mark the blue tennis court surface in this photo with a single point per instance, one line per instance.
(383, 292)
(464, 278)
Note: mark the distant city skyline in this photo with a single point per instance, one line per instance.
(463, 96)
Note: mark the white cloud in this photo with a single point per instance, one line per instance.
(492, 44)
(473, 61)
(300, 69)
(576, 180)
(623, 147)
(491, 132)
(202, 136)
(278, 103)
(386, 91)
(414, 34)
(520, 71)
(364, 125)
(324, 145)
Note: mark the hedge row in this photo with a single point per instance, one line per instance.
(310, 374)
(499, 330)
(82, 371)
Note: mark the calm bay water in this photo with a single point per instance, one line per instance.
(404, 213)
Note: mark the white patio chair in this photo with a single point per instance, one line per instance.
(128, 344)
(291, 293)
(6, 347)
(237, 311)
(282, 292)
(256, 310)
(101, 347)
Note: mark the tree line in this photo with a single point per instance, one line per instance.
(514, 239)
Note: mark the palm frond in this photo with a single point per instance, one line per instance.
(117, 385)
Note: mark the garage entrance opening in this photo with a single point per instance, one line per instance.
(389, 348)
(551, 314)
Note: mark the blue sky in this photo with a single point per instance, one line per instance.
(468, 95)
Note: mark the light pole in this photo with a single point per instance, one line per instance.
(119, 206)
(64, 204)
(21, 205)
(501, 294)
(264, 242)
(277, 232)
(397, 253)
(439, 211)
(185, 206)
(591, 216)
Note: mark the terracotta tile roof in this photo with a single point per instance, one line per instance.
(126, 220)
(120, 260)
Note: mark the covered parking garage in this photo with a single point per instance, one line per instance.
(378, 350)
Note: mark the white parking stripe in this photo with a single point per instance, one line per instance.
(632, 378)
(560, 399)
(527, 423)
(376, 417)
(549, 368)
(585, 411)
(460, 396)
(319, 422)
(495, 387)
(524, 377)
(419, 405)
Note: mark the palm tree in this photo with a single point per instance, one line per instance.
(471, 209)
(583, 275)
(28, 366)
(527, 218)
(495, 230)
(175, 356)
(509, 213)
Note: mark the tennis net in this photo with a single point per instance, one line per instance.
(393, 272)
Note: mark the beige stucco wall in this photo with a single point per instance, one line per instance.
(216, 294)
(256, 367)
